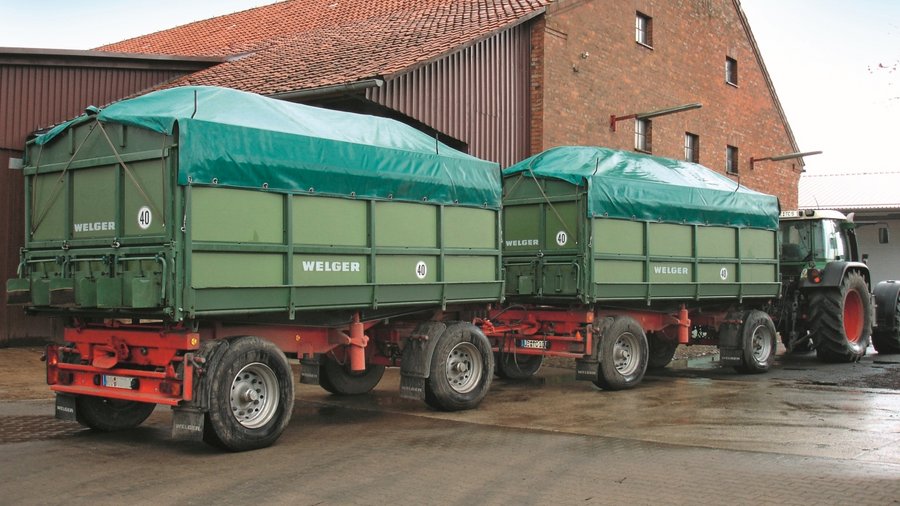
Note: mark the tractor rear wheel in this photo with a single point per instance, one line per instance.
(841, 320)
(887, 340)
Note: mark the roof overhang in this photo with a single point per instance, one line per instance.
(90, 58)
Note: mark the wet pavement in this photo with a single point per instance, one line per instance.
(694, 433)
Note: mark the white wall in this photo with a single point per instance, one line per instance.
(884, 259)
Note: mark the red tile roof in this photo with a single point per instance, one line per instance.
(299, 44)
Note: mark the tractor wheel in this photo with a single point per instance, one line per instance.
(516, 367)
(623, 355)
(251, 395)
(661, 351)
(841, 320)
(338, 379)
(758, 342)
(888, 340)
(108, 415)
(461, 369)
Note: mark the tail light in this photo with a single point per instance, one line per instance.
(814, 276)
(52, 363)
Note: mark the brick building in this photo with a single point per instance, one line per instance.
(503, 79)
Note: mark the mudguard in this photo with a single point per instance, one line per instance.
(415, 366)
(833, 275)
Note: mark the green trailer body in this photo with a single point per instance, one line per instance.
(587, 225)
(206, 202)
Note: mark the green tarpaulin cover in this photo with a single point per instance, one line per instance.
(245, 140)
(623, 184)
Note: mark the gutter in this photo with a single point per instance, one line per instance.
(334, 89)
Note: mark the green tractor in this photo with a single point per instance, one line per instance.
(827, 303)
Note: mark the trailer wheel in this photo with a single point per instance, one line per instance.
(338, 379)
(758, 341)
(623, 355)
(661, 351)
(461, 369)
(888, 340)
(108, 415)
(841, 320)
(516, 367)
(251, 396)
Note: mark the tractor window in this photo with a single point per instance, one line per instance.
(796, 241)
(834, 241)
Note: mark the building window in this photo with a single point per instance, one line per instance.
(731, 160)
(643, 129)
(731, 71)
(691, 147)
(643, 29)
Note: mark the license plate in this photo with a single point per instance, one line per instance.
(535, 344)
(119, 382)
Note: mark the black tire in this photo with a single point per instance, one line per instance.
(338, 379)
(108, 415)
(461, 369)
(623, 355)
(887, 340)
(758, 339)
(661, 351)
(841, 320)
(251, 395)
(515, 366)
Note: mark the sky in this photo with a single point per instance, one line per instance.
(835, 63)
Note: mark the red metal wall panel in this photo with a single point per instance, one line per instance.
(478, 95)
(36, 95)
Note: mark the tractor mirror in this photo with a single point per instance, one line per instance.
(15, 164)
(883, 235)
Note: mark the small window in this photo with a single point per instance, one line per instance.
(643, 29)
(731, 71)
(731, 160)
(691, 147)
(643, 129)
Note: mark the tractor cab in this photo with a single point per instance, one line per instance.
(811, 239)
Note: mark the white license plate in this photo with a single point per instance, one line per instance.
(118, 381)
(536, 344)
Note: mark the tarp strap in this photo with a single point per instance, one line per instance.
(134, 180)
(547, 200)
(56, 189)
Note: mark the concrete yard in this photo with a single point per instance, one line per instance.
(805, 433)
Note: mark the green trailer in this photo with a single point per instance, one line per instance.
(642, 248)
(168, 228)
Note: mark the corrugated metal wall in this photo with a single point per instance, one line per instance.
(35, 95)
(478, 95)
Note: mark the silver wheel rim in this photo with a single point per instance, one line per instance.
(626, 353)
(761, 343)
(254, 395)
(464, 367)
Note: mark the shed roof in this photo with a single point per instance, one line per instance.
(302, 44)
(850, 191)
